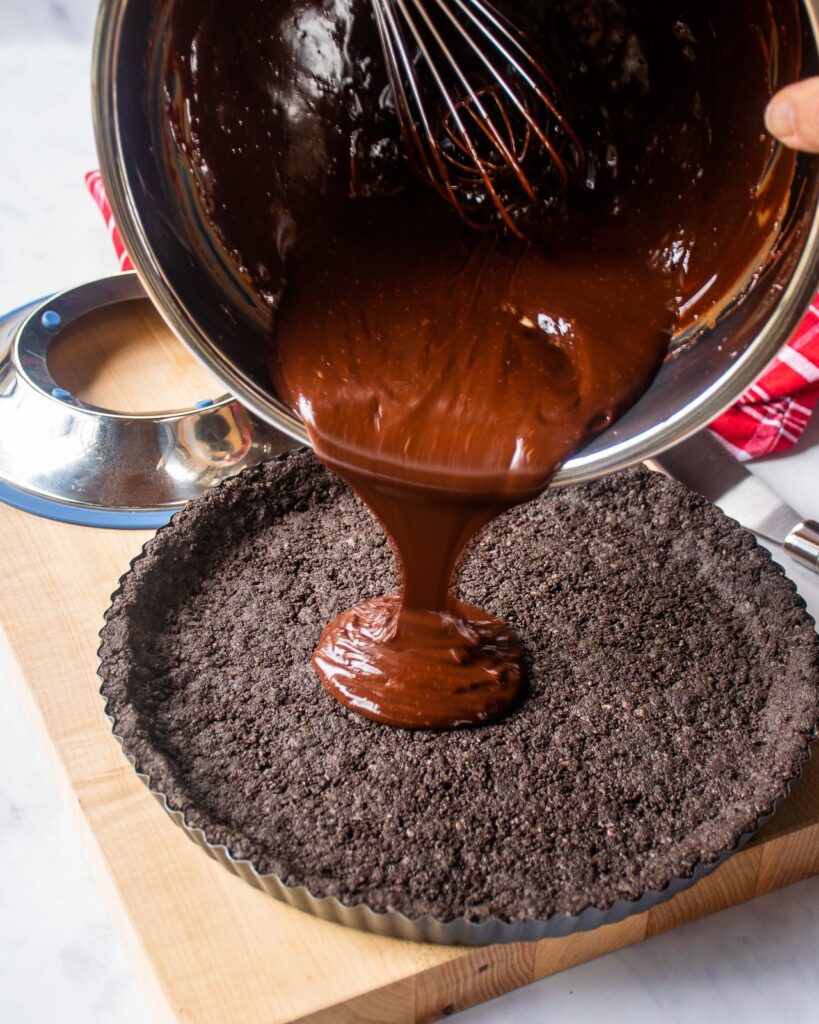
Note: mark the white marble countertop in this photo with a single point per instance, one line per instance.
(60, 958)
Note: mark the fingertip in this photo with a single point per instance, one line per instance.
(780, 118)
(792, 116)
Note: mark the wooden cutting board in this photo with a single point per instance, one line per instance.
(208, 947)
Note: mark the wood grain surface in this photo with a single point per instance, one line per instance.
(207, 946)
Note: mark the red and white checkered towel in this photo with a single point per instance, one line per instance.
(772, 415)
(97, 189)
(769, 418)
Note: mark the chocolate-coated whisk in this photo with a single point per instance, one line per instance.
(478, 112)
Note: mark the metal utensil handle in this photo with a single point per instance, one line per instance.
(803, 544)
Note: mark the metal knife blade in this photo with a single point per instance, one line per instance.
(702, 464)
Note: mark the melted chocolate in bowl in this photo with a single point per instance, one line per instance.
(447, 373)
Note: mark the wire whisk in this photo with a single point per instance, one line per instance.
(479, 114)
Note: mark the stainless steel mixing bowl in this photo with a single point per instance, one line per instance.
(199, 293)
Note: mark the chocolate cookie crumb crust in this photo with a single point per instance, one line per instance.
(673, 692)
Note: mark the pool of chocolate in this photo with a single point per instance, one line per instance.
(444, 372)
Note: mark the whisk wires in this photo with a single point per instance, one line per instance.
(474, 135)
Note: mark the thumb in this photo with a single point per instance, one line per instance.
(793, 116)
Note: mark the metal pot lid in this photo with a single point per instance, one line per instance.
(65, 459)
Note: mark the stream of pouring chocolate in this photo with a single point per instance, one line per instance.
(444, 373)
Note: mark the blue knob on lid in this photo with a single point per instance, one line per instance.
(205, 403)
(51, 320)
(60, 393)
